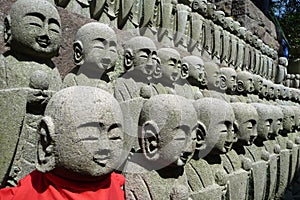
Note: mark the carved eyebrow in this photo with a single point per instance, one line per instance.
(112, 43)
(54, 21)
(185, 128)
(36, 14)
(92, 124)
(113, 126)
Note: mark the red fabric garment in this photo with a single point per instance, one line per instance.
(39, 186)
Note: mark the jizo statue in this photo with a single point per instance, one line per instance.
(80, 145)
(167, 140)
(94, 54)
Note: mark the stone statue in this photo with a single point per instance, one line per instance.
(170, 67)
(30, 40)
(167, 141)
(218, 34)
(194, 78)
(140, 60)
(281, 70)
(197, 21)
(244, 86)
(228, 77)
(80, 145)
(167, 19)
(273, 149)
(128, 14)
(250, 155)
(241, 48)
(32, 31)
(182, 26)
(94, 54)
(234, 44)
(208, 32)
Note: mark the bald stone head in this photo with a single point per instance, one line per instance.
(140, 54)
(33, 29)
(218, 118)
(277, 116)
(244, 82)
(288, 119)
(228, 79)
(246, 117)
(213, 75)
(192, 69)
(167, 130)
(81, 134)
(95, 49)
(170, 63)
(264, 123)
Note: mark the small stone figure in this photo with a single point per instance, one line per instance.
(228, 77)
(94, 54)
(192, 70)
(281, 70)
(167, 141)
(244, 86)
(140, 60)
(32, 31)
(80, 145)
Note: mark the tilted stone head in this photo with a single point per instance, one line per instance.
(213, 75)
(170, 64)
(218, 118)
(288, 119)
(192, 69)
(277, 116)
(258, 83)
(95, 49)
(264, 123)
(246, 117)
(81, 135)
(228, 79)
(167, 130)
(199, 6)
(33, 29)
(244, 82)
(140, 54)
(283, 61)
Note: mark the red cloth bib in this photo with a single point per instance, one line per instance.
(39, 186)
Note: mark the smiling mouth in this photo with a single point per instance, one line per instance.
(43, 42)
(101, 160)
(174, 76)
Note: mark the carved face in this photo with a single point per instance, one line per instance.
(35, 29)
(90, 140)
(245, 82)
(218, 117)
(277, 91)
(213, 75)
(141, 55)
(288, 118)
(230, 76)
(277, 117)
(257, 82)
(264, 123)
(168, 130)
(200, 6)
(247, 117)
(99, 45)
(195, 67)
(170, 63)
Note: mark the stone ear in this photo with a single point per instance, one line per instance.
(149, 140)
(201, 133)
(7, 30)
(240, 86)
(223, 85)
(128, 58)
(78, 56)
(184, 70)
(45, 147)
(236, 129)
